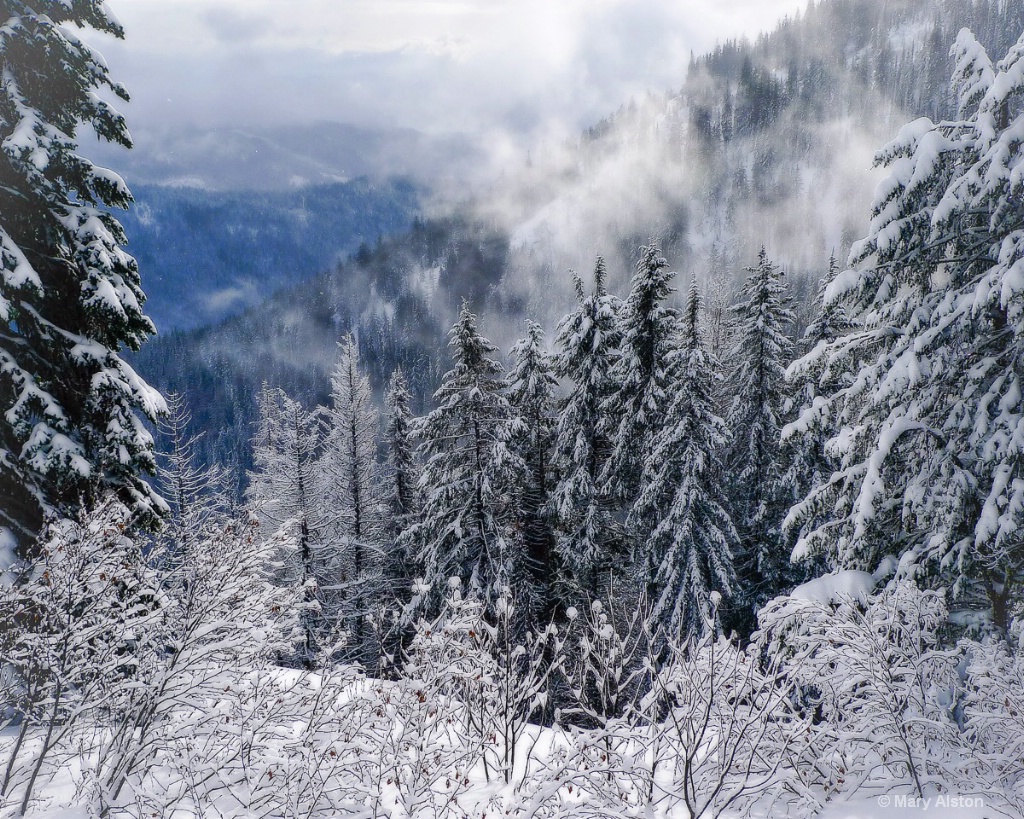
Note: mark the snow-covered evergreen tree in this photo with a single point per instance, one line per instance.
(804, 447)
(718, 297)
(400, 495)
(832, 321)
(349, 493)
(685, 538)
(71, 408)
(283, 494)
(531, 394)
(641, 375)
(759, 496)
(587, 343)
(194, 493)
(466, 527)
(929, 432)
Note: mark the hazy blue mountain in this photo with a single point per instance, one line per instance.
(393, 295)
(279, 158)
(205, 255)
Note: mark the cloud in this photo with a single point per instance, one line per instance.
(440, 65)
(233, 26)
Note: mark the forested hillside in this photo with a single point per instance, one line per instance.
(209, 254)
(766, 143)
(525, 511)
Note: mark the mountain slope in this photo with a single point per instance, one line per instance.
(276, 158)
(206, 255)
(765, 143)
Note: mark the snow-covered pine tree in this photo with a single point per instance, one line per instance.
(587, 342)
(400, 494)
(349, 493)
(758, 494)
(466, 527)
(194, 494)
(685, 538)
(531, 394)
(929, 434)
(642, 376)
(71, 409)
(282, 494)
(804, 447)
(718, 297)
(832, 321)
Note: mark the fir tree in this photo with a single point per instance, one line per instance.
(71, 408)
(195, 494)
(685, 536)
(401, 500)
(927, 433)
(587, 343)
(283, 495)
(531, 393)
(348, 480)
(759, 496)
(804, 443)
(466, 526)
(642, 375)
(832, 321)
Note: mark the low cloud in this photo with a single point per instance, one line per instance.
(234, 26)
(435, 65)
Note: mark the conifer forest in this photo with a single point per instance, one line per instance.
(671, 467)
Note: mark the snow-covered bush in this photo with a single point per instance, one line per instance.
(215, 612)
(724, 727)
(993, 717)
(74, 622)
(883, 686)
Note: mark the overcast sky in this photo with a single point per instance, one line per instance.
(434, 65)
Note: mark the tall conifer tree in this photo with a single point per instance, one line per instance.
(400, 493)
(531, 393)
(347, 481)
(928, 431)
(587, 343)
(642, 376)
(466, 527)
(284, 494)
(759, 496)
(685, 537)
(71, 408)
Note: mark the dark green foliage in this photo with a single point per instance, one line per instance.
(684, 534)
(532, 390)
(757, 476)
(71, 409)
(468, 526)
(587, 347)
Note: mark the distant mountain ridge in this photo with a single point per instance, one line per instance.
(275, 158)
(206, 255)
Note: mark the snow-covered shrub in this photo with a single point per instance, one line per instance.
(993, 716)
(436, 715)
(75, 623)
(882, 685)
(215, 612)
(724, 727)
